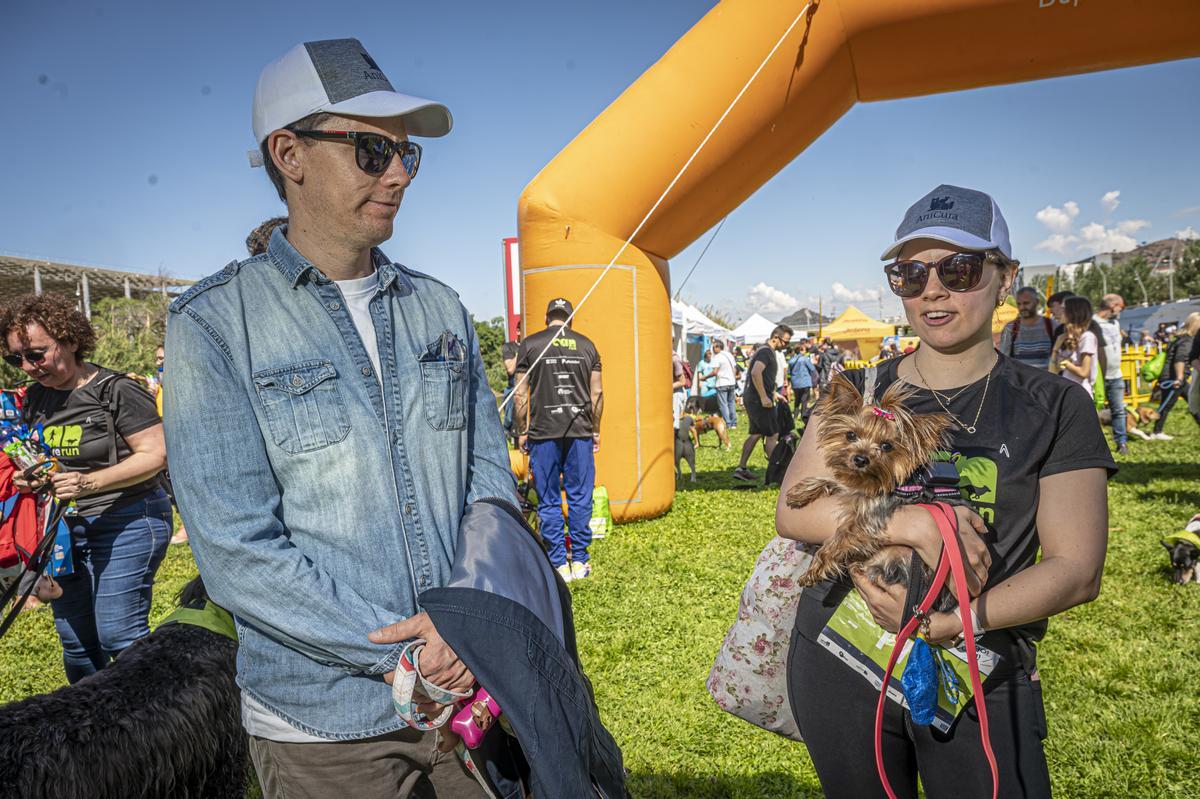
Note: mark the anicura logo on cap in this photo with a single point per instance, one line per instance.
(374, 73)
(938, 208)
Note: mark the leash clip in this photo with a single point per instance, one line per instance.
(922, 618)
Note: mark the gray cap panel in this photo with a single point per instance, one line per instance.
(346, 69)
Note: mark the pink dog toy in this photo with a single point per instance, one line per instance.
(476, 717)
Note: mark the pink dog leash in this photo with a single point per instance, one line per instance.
(950, 561)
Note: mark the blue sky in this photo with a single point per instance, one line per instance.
(126, 126)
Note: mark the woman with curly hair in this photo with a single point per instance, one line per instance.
(105, 431)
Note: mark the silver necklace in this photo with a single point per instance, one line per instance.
(969, 428)
(949, 398)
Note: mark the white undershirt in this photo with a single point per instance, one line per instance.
(358, 293)
(257, 720)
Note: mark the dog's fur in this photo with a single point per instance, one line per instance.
(869, 455)
(1134, 417)
(163, 720)
(684, 449)
(713, 422)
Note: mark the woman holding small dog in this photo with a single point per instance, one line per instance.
(1033, 462)
(105, 431)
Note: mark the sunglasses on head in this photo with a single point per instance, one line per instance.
(373, 151)
(34, 357)
(959, 272)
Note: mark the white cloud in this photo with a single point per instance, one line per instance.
(1060, 243)
(1095, 238)
(1059, 220)
(1131, 226)
(1065, 240)
(770, 300)
(843, 294)
(1188, 232)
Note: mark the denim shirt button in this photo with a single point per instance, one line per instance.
(335, 306)
(408, 509)
(366, 370)
(297, 380)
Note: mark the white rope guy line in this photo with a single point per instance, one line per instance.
(563, 325)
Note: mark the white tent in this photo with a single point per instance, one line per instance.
(755, 330)
(690, 318)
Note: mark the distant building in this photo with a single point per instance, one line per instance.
(86, 283)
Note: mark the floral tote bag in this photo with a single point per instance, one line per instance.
(749, 676)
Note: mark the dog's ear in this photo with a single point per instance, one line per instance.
(932, 430)
(842, 397)
(895, 395)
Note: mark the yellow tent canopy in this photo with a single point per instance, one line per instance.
(1003, 315)
(855, 326)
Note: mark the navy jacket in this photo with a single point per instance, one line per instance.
(507, 615)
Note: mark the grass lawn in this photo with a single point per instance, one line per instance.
(1119, 674)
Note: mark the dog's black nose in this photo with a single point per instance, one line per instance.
(861, 461)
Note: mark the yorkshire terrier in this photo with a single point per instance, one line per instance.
(872, 449)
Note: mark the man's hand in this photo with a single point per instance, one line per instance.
(595, 442)
(766, 401)
(439, 665)
(523, 442)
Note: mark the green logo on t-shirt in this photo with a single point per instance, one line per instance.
(977, 478)
(567, 343)
(63, 440)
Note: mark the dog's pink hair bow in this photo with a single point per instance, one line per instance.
(891, 417)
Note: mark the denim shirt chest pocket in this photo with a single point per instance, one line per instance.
(444, 381)
(303, 406)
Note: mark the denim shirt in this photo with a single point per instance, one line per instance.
(320, 499)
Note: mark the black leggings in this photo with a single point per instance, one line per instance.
(800, 403)
(835, 709)
(1170, 397)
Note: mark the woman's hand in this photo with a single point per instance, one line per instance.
(886, 602)
(24, 486)
(914, 527)
(69, 485)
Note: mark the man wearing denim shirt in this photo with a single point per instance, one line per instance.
(328, 422)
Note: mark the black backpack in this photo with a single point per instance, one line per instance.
(781, 457)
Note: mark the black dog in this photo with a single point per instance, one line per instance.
(1185, 553)
(163, 720)
(684, 448)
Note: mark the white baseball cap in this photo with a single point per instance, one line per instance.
(337, 76)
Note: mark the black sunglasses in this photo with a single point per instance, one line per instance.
(959, 272)
(34, 357)
(373, 151)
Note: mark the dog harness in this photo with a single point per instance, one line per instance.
(951, 561)
(211, 617)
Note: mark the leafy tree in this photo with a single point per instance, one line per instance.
(1187, 271)
(491, 338)
(1135, 280)
(718, 315)
(129, 331)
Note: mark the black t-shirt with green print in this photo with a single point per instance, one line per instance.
(74, 427)
(1033, 424)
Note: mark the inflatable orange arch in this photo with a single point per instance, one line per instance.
(575, 215)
